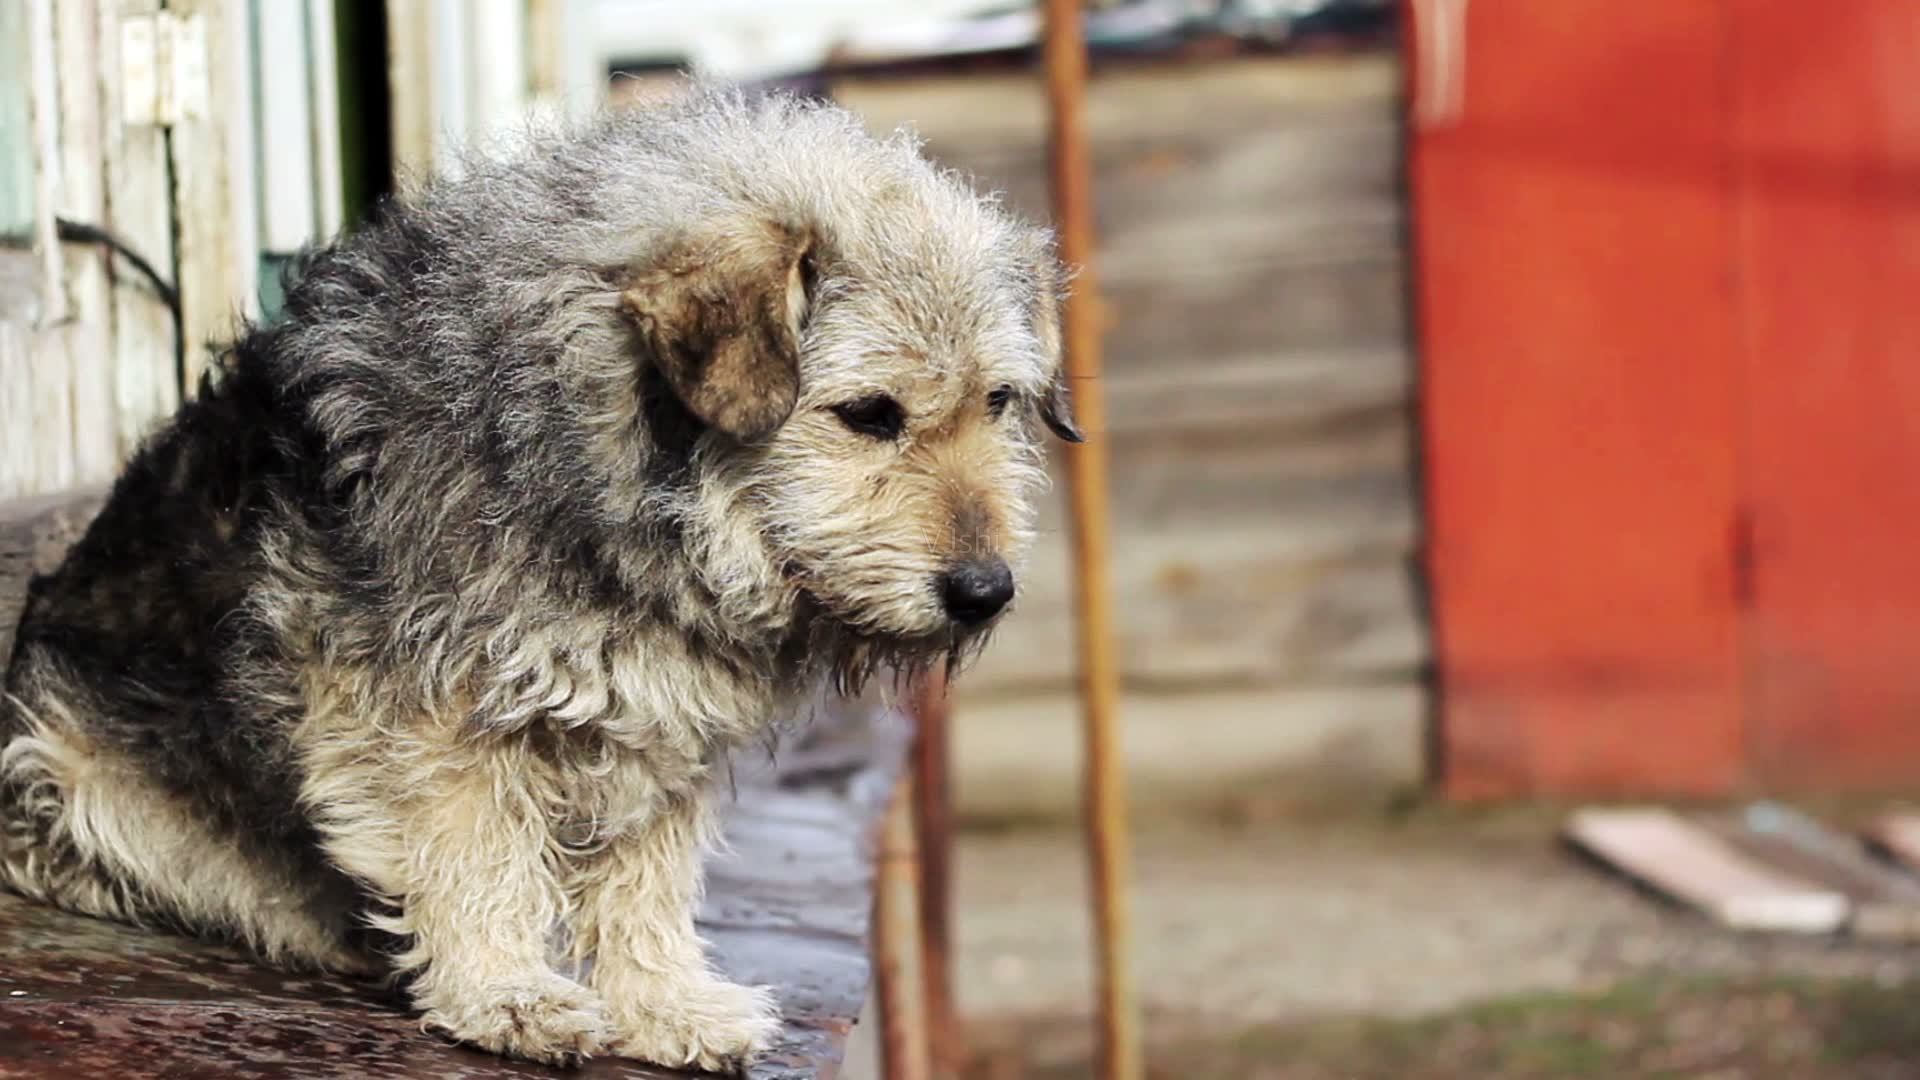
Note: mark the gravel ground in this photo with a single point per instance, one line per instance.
(1268, 924)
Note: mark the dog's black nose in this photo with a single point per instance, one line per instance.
(976, 591)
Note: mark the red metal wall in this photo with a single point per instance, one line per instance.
(1668, 282)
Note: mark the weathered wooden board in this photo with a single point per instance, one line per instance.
(139, 209)
(34, 534)
(213, 169)
(35, 438)
(1259, 392)
(1884, 902)
(1693, 866)
(786, 907)
(84, 340)
(1018, 757)
(1898, 836)
(1216, 610)
(1245, 209)
(1258, 376)
(78, 381)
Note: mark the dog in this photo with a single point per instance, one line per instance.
(416, 644)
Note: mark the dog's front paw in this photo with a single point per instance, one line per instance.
(548, 1018)
(703, 1023)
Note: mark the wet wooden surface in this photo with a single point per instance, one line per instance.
(34, 533)
(788, 907)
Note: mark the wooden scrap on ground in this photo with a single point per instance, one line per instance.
(1897, 836)
(1690, 864)
(1885, 902)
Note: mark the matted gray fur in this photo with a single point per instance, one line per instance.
(428, 626)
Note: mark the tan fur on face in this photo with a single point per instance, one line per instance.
(884, 520)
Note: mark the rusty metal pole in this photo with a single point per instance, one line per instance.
(933, 833)
(898, 982)
(1105, 791)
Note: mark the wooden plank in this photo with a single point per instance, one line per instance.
(1149, 101)
(498, 82)
(38, 407)
(1898, 836)
(1233, 162)
(1270, 394)
(1265, 216)
(1692, 866)
(1017, 759)
(1581, 484)
(19, 463)
(1268, 527)
(287, 146)
(17, 197)
(43, 129)
(54, 356)
(32, 359)
(410, 29)
(1259, 390)
(324, 95)
(1885, 903)
(34, 534)
(451, 60)
(1259, 374)
(139, 201)
(1218, 610)
(212, 157)
(1827, 141)
(1197, 314)
(84, 339)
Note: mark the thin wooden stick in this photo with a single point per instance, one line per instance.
(933, 831)
(1105, 792)
(898, 980)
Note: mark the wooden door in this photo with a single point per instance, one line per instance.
(1827, 146)
(1579, 367)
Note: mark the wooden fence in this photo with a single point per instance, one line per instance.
(1260, 392)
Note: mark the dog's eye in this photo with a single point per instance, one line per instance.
(878, 417)
(998, 400)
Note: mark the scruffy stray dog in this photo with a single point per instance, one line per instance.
(428, 627)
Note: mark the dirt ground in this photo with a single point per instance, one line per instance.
(1436, 947)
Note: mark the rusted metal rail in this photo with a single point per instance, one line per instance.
(899, 985)
(933, 836)
(1105, 793)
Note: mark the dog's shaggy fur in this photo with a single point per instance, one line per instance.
(425, 631)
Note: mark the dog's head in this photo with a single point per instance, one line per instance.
(873, 367)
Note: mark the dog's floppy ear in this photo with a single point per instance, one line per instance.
(1057, 410)
(1050, 286)
(721, 317)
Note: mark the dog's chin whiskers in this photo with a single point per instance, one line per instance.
(964, 651)
(860, 657)
(903, 661)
